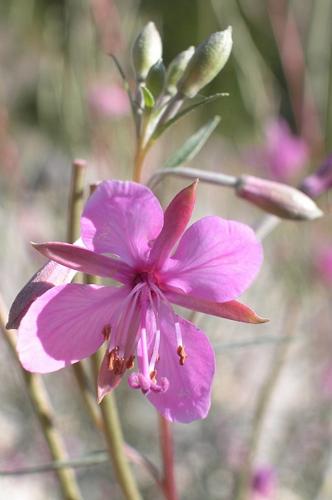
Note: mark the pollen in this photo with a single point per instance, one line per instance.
(113, 357)
(182, 354)
(130, 362)
(153, 376)
(119, 364)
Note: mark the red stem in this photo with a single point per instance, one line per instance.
(292, 58)
(166, 442)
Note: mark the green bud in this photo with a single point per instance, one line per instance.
(208, 60)
(147, 51)
(156, 78)
(176, 69)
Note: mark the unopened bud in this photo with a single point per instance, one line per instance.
(176, 69)
(156, 78)
(320, 181)
(147, 50)
(277, 199)
(208, 60)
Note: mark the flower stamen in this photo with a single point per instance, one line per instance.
(182, 354)
(119, 364)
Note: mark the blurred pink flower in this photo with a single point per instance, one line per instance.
(320, 181)
(214, 262)
(323, 264)
(108, 100)
(263, 484)
(283, 155)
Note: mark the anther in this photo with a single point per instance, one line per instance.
(153, 376)
(113, 358)
(182, 354)
(130, 362)
(119, 366)
(106, 332)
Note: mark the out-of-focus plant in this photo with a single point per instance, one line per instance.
(213, 263)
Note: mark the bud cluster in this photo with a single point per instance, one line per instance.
(160, 92)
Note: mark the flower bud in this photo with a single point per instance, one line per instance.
(147, 51)
(176, 69)
(156, 78)
(208, 60)
(277, 199)
(320, 181)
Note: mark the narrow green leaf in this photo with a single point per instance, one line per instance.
(148, 97)
(203, 100)
(193, 145)
(125, 84)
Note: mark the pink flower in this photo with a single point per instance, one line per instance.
(264, 483)
(320, 181)
(214, 262)
(283, 154)
(108, 100)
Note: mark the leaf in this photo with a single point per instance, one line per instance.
(148, 97)
(204, 100)
(193, 145)
(125, 84)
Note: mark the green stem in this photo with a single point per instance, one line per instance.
(76, 199)
(111, 426)
(41, 404)
(279, 360)
(114, 439)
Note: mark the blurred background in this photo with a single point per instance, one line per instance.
(61, 98)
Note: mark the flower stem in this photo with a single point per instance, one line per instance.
(76, 199)
(109, 423)
(264, 399)
(42, 406)
(207, 176)
(114, 439)
(139, 161)
(166, 442)
(111, 427)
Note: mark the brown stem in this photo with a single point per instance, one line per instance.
(166, 443)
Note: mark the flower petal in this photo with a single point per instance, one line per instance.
(50, 275)
(216, 260)
(176, 217)
(121, 218)
(232, 309)
(188, 397)
(85, 260)
(65, 325)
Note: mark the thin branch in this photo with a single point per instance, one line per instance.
(44, 411)
(94, 458)
(192, 173)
